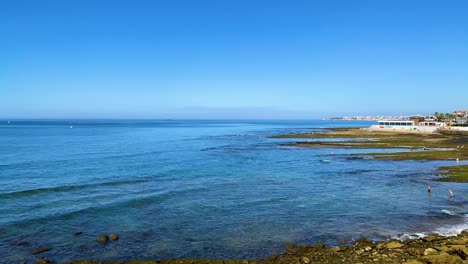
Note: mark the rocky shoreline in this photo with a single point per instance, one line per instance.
(430, 249)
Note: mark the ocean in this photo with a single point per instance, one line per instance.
(204, 189)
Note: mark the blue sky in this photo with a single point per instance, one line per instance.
(231, 59)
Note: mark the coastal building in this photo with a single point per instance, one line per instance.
(413, 125)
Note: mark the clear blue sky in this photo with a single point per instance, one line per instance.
(231, 59)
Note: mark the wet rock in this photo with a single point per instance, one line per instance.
(113, 236)
(43, 261)
(77, 233)
(40, 250)
(429, 251)
(393, 245)
(102, 239)
(305, 260)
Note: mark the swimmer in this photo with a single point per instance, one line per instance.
(450, 193)
(429, 188)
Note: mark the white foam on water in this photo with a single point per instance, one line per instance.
(448, 212)
(454, 229)
(407, 236)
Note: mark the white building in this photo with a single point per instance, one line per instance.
(407, 126)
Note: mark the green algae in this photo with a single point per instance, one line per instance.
(457, 173)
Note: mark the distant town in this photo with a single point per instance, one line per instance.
(456, 117)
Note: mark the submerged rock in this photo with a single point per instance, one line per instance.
(102, 239)
(40, 250)
(77, 233)
(113, 236)
(19, 243)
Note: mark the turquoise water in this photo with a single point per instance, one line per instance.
(213, 189)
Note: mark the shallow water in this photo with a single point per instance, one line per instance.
(214, 189)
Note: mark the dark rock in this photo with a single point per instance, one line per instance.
(77, 233)
(40, 250)
(113, 236)
(102, 239)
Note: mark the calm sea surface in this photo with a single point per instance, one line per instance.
(213, 189)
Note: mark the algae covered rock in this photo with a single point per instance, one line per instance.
(443, 258)
(113, 236)
(429, 251)
(393, 245)
(102, 239)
